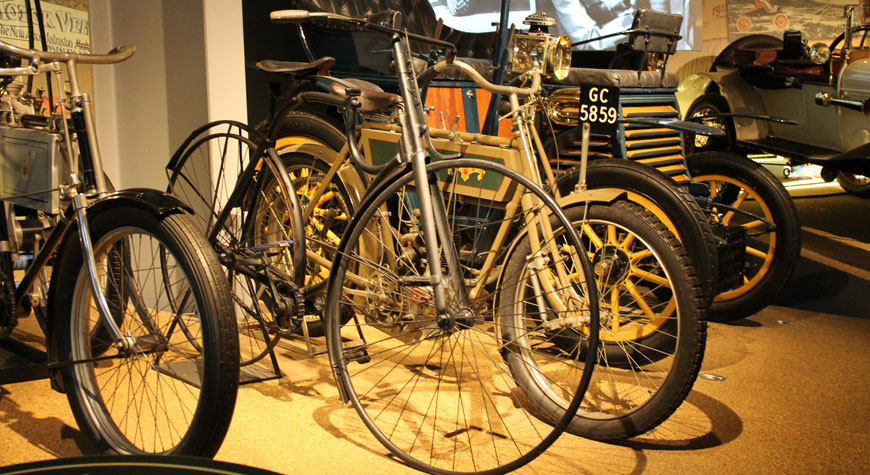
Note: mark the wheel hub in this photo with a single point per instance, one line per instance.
(611, 264)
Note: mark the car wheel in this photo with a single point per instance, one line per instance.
(858, 185)
(739, 184)
(710, 105)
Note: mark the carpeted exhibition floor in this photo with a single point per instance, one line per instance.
(795, 398)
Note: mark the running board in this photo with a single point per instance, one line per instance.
(190, 372)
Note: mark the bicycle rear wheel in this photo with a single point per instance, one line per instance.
(174, 392)
(436, 390)
(254, 236)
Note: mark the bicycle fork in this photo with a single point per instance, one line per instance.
(432, 210)
(121, 342)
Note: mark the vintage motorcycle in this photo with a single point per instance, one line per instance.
(138, 325)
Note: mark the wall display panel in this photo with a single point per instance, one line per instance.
(67, 24)
(816, 19)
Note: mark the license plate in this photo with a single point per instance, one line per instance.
(599, 107)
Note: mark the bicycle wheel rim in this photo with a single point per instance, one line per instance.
(145, 382)
(484, 344)
(258, 227)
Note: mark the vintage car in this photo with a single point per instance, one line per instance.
(824, 88)
(743, 252)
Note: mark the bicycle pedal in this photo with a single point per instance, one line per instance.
(356, 351)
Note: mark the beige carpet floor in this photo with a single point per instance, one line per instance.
(795, 399)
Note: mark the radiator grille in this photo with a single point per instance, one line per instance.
(658, 147)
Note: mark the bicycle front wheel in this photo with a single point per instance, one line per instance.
(436, 389)
(174, 392)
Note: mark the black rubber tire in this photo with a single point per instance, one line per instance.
(209, 412)
(674, 348)
(406, 370)
(293, 126)
(7, 286)
(754, 177)
(687, 221)
(853, 185)
(709, 104)
(306, 172)
(303, 124)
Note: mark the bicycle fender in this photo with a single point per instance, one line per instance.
(348, 175)
(603, 195)
(158, 202)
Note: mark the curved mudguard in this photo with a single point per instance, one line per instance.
(743, 100)
(691, 126)
(157, 202)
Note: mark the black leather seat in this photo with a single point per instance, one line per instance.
(416, 16)
(618, 77)
(476, 49)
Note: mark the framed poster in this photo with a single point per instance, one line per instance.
(67, 24)
(814, 19)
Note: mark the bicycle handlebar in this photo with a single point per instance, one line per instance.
(482, 82)
(116, 55)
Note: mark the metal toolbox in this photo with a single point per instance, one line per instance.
(32, 165)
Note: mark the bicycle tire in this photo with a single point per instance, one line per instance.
(324, 228)
(259, 227)
(673, 205)
(327, 222)
(653, 323)
(436, 371)
(165, 396)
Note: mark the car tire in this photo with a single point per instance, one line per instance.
(711, 104)
(771, 263)
(858, 185)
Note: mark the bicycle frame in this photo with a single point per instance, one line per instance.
(517, 153)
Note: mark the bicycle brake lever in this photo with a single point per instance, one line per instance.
(434, 153)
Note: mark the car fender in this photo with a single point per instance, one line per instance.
(691, 88)
(854, 84)
(741, 96)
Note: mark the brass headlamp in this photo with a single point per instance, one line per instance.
(540, 51)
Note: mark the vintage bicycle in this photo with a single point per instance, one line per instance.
(653, 337)
(653, 307)
(132, 301)
(414, 346)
